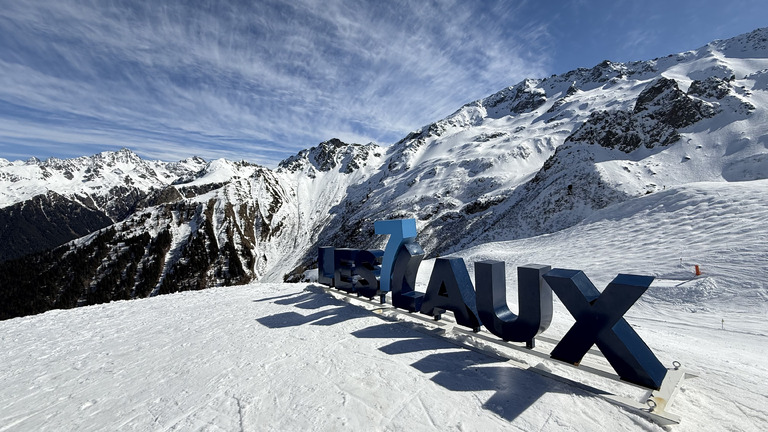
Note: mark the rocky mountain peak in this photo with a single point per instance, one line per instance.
(752, 44)
(523, 97)
(663, 100)
(330, 155)
(194, 160)
(605, 71)
(596, 76)
(111, 158)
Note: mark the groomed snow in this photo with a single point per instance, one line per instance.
(266, 357)
(292, 357)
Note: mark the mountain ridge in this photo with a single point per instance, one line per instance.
(531, 159)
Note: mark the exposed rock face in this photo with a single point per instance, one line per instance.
(522, 98)
(660, 110)
(664, 102)
(329, 155)
(712, 87)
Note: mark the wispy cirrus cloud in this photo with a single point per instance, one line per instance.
(247, 80)
(259, 80)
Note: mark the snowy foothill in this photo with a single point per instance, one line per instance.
(294, 357)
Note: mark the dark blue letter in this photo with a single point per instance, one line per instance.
(325, 265)
(367, 267)
(599, 321)
(450, 288)
(534, 301)
(407, 260)
(344, 264)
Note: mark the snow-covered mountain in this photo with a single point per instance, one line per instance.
(544, 154)
(534, 158)
(111, 182)
(197, 225)
(44, 204)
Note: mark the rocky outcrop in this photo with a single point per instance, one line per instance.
(331, 154)
(521, 98)
(660, 110)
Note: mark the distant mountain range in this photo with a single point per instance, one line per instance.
(532, 159)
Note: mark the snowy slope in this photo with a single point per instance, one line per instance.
(290, 357)
(263, 357)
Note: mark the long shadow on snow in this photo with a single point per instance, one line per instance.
(515, 390)
(310, 301)
(280, 297)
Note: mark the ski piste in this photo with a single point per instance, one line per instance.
(652, 405)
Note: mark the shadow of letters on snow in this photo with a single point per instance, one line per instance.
(458, 369)
(332, 312)
(454, 368)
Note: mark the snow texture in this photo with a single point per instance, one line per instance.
(291, 357)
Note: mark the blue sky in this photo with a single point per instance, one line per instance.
(261, 80)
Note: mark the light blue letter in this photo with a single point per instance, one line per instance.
(399, 231)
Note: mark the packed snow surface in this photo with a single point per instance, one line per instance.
(292, 357)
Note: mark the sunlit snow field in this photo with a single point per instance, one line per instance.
(292, 357)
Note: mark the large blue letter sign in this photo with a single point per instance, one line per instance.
(599, 317)
(599, 320)
(534, 300)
